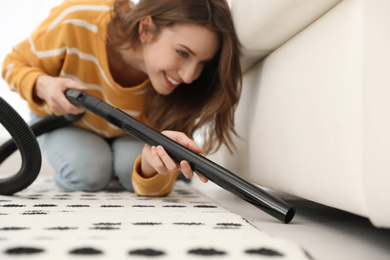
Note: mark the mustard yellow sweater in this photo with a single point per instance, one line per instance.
(70, 43)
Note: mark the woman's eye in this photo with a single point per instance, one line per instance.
(182, 53)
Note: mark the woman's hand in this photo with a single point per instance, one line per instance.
(156, 159)
(51, 89)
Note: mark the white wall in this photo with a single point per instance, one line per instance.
(17, 20)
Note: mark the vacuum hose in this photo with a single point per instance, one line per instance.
(27, 144)
(24, 139)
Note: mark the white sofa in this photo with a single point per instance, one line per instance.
(314, 117)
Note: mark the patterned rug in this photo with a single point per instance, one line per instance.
(42, 222)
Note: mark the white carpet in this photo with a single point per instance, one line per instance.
(43, 222)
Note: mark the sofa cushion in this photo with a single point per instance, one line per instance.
(264, 25)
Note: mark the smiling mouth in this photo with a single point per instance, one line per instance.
(172, 83)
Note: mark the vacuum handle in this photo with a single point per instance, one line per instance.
(212, 171)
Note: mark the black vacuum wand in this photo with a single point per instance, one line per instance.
(201, 165)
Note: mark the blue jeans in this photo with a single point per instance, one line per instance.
(84, 161)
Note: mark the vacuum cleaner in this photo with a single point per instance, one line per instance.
(24, 139)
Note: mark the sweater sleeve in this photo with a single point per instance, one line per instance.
(156, 186)
(40, 54)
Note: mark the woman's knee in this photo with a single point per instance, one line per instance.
(81, 159)
(125, 149)
(87, 174)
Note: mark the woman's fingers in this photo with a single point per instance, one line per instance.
(51, 89)
(183, 139)
(186, 169)
(163, 163)
(188, 172)
(202, 178)
(69, 107)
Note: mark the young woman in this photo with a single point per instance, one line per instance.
(172, 64)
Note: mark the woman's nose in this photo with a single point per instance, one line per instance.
(190, 73)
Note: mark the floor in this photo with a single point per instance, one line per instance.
(326, 233)
(43, 223)
(339, 235)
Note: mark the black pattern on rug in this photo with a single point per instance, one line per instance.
(43, 222)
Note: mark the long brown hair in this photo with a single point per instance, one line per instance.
(211, 100)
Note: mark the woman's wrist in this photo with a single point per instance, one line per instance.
(146, 170)
(40, 84)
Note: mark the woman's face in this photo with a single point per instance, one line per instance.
(177, 55)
